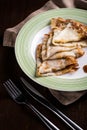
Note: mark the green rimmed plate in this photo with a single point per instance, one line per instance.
(31, 35)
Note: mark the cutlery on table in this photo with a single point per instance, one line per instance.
(41, 99)
(20, 98)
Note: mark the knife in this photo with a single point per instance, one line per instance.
(42, 100)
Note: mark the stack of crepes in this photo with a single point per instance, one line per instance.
(61, 47)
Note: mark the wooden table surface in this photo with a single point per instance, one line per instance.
(12, 115)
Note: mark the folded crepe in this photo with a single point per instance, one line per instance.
(82, 43)
(67, 30)
(50, 51)
(54, 67)
(74, 53)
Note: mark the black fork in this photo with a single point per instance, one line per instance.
(19, 98)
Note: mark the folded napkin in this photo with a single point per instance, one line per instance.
(10, 34)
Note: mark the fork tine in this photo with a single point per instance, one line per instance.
(11, 93)
(14, 87)
(11, 88)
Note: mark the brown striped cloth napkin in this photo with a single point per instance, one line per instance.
(10, 34)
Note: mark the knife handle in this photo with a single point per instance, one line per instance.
(47, 122)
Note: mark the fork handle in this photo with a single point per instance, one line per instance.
(47, 122)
